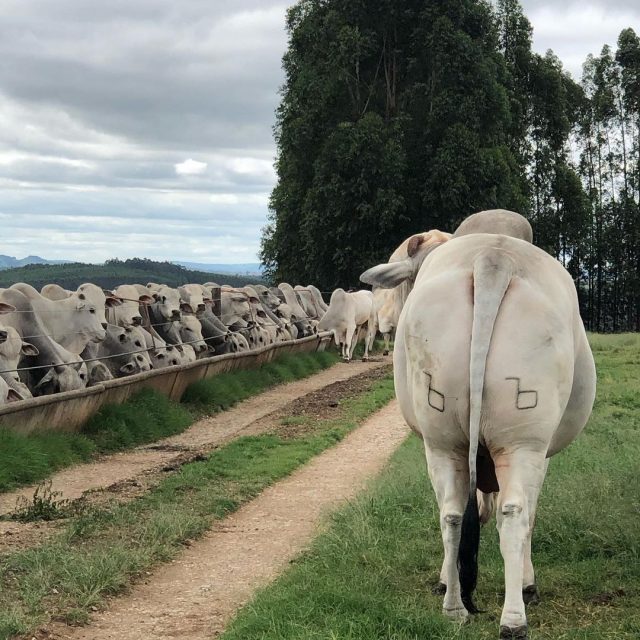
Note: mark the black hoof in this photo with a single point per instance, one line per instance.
(385, 352)
(530, 594)
(439, 589)
(515, 633)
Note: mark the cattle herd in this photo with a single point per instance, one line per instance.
(57, 340)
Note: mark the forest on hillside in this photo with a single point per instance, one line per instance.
(399, 116)
(114, 273)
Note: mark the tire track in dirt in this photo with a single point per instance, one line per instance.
(211, 431)
(197, 594)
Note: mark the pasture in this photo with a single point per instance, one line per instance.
(370, 575)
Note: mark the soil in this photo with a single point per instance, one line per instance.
(196, 595)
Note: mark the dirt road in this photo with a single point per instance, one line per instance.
(212, 431)
(197, 594)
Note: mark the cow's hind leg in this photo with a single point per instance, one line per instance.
(387, 341)
(450, 479)
(520, 475)
(351, 340)
(529, 589)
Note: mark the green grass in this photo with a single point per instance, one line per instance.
(146, 417)
(225, 390)
(100, 551)
(371, 574)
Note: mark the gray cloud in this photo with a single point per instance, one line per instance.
(99, 101)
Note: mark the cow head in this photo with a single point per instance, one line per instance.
(191, 333)
(192, 298)
(167, 302)
(129, 314)
(92, 302)
(235, 308)
(406, 260)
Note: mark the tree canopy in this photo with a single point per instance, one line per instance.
(406, 115)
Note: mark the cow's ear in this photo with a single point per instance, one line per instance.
(145, 299)
(414, 244)
(127, 368)
(111, 301)
(388, 275)
(186, 307)
(6, 308)
(28, 349)
(13, 395)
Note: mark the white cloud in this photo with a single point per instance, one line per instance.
(190, 167)
(575, 29)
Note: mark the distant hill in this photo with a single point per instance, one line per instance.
(9, 262)
(248, 268)
(116, 272)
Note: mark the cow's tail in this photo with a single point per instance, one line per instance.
(492, 273)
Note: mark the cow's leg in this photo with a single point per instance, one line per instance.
(368, 341)
(486, 505)
(520, 476)
(529, 588)
(351, 338)
(387, 341)
(450, 480)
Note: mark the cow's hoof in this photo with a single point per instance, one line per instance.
(439, 589)
(513, 633)
(457, 614)
(460, 616)
(365, 359)
(530, 594)
(385, 352)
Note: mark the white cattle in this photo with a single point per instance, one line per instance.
(9, 394)
(49, 367)
(167, 303)
(317, 297)
(74, 321)
(191, 334)
(298, 315)
(192, 298)
(55, 292)
(12, 349)
(493, 369)
(235, 308)
(389, 302)
(308, 303)
(128, 314)
(348, 313)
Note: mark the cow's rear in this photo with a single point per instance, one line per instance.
(493, 369)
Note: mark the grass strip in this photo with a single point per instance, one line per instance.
(146, 417)
(99, 552)
(371, 574)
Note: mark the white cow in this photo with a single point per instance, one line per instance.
(128, 314)
(493, 369)
(74, 321)
(348, 313)
(389, 302)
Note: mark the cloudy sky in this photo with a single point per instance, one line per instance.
(143, 127)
